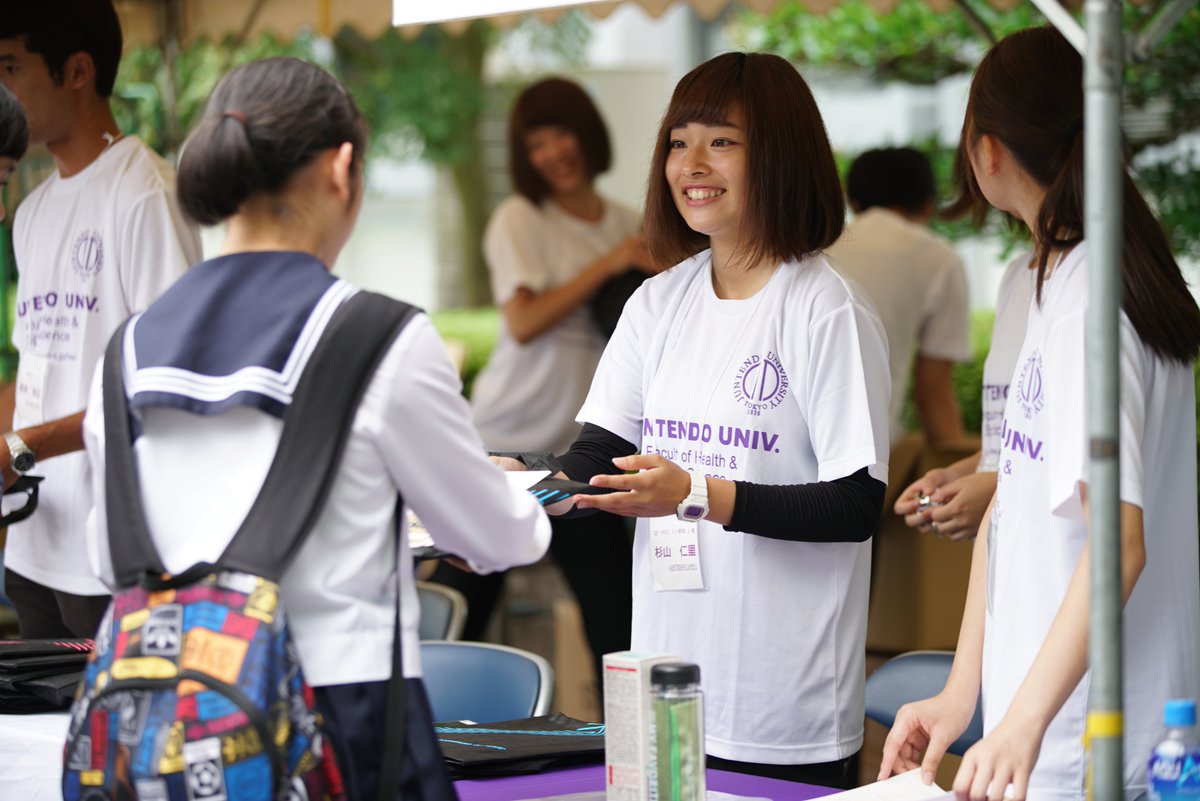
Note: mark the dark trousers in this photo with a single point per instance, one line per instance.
(841, 773)
(43, 613)
(355, 719)
(595, 555)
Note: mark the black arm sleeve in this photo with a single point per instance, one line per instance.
(592, 453)
(844, 510)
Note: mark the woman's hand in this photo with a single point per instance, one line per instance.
(957, 503)
(1004, 757)
(922, 732)
(632, 252)
(655, 491)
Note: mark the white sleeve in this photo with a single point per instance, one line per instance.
(512, 248)
(1068, 454)
(849, 393)
(96, 536)
(157, 248)
(945, 328)
(615, 401)
(439, 463)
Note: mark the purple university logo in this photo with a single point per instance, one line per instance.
(761, 383)
(1029, 386)
(87, 255)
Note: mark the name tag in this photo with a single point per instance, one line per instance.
(675, 554)
(31, 389)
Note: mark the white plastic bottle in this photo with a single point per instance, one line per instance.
(1174, 770)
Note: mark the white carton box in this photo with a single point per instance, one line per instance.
(627, 750)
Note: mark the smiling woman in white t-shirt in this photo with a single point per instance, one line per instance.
(1023, 642)
(749, 385)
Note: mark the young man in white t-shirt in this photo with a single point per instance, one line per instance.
(915, 280)
(98, 240)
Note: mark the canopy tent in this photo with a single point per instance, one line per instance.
(145, 21)
(1102, 43)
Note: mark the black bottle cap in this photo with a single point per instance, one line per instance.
(675, 674)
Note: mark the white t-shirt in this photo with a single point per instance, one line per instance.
(527, 396)
(1038, 533)
(917, 283)
(787, 387)
(411, 434)
(1017, 288)
(91, 250)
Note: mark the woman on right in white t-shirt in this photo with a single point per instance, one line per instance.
(1023, 642)
(960, 492)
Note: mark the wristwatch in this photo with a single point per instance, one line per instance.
(695, 506)
(21, 455)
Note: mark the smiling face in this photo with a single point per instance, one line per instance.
(555, 153)
(706, 173)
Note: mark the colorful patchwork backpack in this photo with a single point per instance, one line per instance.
(195, 691)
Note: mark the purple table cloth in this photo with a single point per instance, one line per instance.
(591, 778)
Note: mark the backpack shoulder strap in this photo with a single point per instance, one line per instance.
(130, 546)
(316, 427)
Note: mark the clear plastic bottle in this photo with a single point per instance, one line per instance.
(677, 733)
(1174, 770)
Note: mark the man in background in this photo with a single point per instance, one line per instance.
(916, 281)
(98, 240)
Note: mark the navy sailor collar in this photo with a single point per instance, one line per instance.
(236, 330)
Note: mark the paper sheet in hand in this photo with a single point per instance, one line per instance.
(418, 535)
(904, 787)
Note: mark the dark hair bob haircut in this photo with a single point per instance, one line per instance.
(58, 29)
(14, 128)
(264, 122)
(555, 101)
(892, 178)
(1028, 95)
(794, 201)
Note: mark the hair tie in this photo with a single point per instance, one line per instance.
(237, 115)
(1075, 128)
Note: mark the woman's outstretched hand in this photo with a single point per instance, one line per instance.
(654, 491)
(921, 734)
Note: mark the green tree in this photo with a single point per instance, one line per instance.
(915, 44)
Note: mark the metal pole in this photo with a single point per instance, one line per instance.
(1159, 27)
(1061, 19)
(1103, 170)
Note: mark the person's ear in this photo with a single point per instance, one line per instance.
(341, 172)
(79, 71)
(989, 154)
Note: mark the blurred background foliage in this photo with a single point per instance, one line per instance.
(917, 45)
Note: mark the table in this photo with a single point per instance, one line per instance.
(31, 749)
(590, 778)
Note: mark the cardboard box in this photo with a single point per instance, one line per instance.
(627, 748)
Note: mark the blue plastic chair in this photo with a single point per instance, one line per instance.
(443, 611)
(912, 677)
(485, 683)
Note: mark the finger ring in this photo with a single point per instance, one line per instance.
(933, 525)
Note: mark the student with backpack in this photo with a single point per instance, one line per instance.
(210, 373)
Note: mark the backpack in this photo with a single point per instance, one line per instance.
(195, 691)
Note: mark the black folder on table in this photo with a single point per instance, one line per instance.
(40, 675)
(513, 747)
